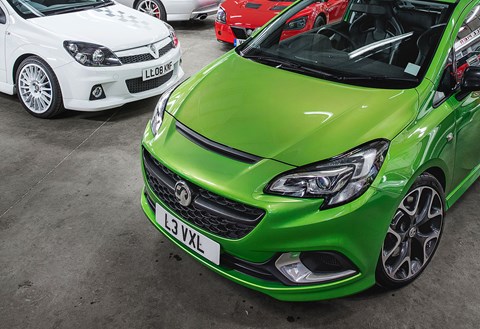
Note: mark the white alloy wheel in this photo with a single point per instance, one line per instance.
(35, 88)
(152, 7)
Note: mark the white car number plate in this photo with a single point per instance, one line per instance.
(188, 236)
(157, 71)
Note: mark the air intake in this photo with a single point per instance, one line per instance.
(252, 5)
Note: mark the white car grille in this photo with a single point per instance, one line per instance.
(145, 53)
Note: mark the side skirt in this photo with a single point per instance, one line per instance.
(463, 186)
(7, 88)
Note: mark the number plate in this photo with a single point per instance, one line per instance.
(189, 237)
(157, 71)
(237, 42)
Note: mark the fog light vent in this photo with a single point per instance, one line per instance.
(324, 261)
(314, 267)
(97, 93)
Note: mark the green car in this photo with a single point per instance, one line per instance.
(315, 166)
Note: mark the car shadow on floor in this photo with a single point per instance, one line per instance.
(124, 112)
(193, 24)
(138, 108)
(197, 26)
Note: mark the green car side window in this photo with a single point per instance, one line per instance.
(448, 83)
(467, 43)
(466, 53)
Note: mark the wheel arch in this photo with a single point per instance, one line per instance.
(435, 167)
(324, 16)
(17, 63)
(439, 174)
(52, 54)
(398, 181)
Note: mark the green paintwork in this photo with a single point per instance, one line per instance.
(273, 124)
(463, 186)
(291, 120)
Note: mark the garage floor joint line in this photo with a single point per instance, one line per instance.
(58, 164)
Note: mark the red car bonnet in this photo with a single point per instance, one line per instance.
(252, 13)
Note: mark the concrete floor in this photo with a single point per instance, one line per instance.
(76, 250)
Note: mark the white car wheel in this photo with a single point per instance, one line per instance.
(38, 89)
(153, 8)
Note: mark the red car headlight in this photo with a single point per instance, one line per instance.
(297, 23)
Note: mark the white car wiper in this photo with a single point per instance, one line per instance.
(103, 4)
(78, 8)
(31, 8)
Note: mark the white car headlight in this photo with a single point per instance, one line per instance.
(159, 112)
(90, 54)
(337, 180)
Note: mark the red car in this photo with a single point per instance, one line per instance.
(236, 19)
(471, 59)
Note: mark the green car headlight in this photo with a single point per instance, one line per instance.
(337, 180)
(157, 117)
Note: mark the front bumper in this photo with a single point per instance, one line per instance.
(276, 290)
(355, 230)
(76, 82)
(225, 33)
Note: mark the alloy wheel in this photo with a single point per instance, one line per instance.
(413, 234)
(35, 88)
(150, 7)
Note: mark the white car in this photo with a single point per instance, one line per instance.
(175, 10)
(85, 55)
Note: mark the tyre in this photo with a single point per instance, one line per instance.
(413, 235)
(38, 89)
(153, 8)
(319, 21)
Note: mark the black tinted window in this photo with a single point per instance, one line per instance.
(467, 43)
(39, 8)
(3, 19)
(383, 44)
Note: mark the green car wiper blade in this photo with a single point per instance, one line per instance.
(292, 66)
(318, 72)
(271, 59)
(376, 81)
(376, 78)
